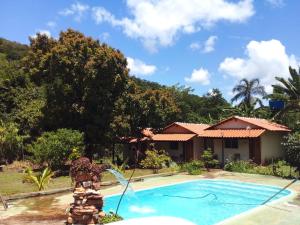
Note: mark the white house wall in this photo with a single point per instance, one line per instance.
(243, 150)
(271, 146)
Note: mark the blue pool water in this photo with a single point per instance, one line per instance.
(203, 202)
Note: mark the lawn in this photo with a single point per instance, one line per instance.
(11, 181)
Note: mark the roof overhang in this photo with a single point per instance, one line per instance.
(172, 137)
(233, 133)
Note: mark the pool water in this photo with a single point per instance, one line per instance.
(203, 202)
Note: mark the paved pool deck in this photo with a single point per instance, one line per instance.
(51, 209)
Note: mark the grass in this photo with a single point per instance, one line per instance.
(11, 181)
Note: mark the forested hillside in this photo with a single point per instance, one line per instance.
(78, 83)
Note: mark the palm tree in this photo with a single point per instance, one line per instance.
(41, 180)
(288, 90)
(248, 92)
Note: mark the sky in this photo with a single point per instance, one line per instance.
(202, 44)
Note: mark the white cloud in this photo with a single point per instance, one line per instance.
(77, 10)
(195, 46)
(158, 23)
(51, 24)
(264, 60)
(200, 76)
(209, 45)
(276, 3)
(45, 32)
(139, 68)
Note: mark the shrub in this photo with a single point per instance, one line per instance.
(208, 160)
(11, 143)
(111, 217)
(41, 180)
(155, 159)
(240, 166)
(292, 149)
(55, 147)
(193, 168)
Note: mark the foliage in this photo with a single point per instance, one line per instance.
(111, 217)
(240, 166)
(55, 147)
(12, 50)
(155, 159)
(291, 146)
(279, 168)
(41, 180)
(208, 160)
(248, 92)
(193, 168)
(83, 80)
(120, 168)
(288, 90)
(11, 143)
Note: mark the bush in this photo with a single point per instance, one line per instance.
(11, 143)
(240, 166)
(209, 161)
(155, 159)
(193, 168)
(111, 217)
(292, 149)
(41, 180)
(56, 147)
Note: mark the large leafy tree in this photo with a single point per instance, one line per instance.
(83, 80)
(288, 90)
(248, 92)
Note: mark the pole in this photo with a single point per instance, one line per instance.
(223, 153)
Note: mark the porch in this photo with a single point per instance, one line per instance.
(233, 149)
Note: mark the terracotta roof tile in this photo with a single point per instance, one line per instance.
(268, 125)
(172, 137)
(233, 133)
(196, 128)
(263, 123)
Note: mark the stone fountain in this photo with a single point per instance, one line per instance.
(88, 201)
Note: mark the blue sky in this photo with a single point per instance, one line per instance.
(204, 44)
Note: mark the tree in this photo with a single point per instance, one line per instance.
(287, 90)
(56, 147)
(209, 161)
(11, 143)
(291, 145)
(40, 180)
(83, 80)
(155, 159)
(248, 92)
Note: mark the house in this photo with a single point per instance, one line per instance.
(235, 138)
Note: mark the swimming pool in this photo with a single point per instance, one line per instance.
(203, 202)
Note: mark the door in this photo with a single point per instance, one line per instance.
(254, 150)
(188, 151)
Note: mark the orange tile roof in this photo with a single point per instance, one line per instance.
(233, 133)
(263, 123)
(196, 128)
(148, 132)
(172, 137)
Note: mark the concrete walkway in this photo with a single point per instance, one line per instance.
(51, 209)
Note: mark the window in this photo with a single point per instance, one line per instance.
(231, 143)
(174, 145)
